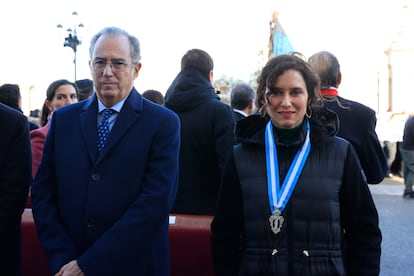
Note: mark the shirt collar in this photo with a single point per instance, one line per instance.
(117, 107)
(239, 111)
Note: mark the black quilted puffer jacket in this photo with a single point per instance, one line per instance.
(331, 223)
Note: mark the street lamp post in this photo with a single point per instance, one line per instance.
(388, 52)
(72, 39)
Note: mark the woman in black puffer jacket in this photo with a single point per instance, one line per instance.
(294, 199)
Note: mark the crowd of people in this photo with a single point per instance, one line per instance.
(283, 170)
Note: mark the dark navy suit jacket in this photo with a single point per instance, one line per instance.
(15, 179)
(237, 116)
(109, 212)
(357, 125)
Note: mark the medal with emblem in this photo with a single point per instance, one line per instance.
(276, 221)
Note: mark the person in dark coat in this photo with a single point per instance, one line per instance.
(154, 96)
(206, 133)
(15, 179)
(85, 87)
(101, 206)
(407, 154)
(357, 121)
(294, 200)
(10, 95)
(242, 98)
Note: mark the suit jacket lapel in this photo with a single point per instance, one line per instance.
(88, 119)
(130, 112)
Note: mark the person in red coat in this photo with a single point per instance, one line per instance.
(59, 93)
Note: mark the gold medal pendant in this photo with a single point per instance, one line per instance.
(276, 221)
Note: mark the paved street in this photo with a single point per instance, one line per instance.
(397, 226)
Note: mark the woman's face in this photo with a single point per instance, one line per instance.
(287, 100)
(64, 95)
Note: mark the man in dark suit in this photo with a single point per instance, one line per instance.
(15, 179)
(206, 133)
(101, 207)
(85, 87)
(357, 121)
(10, 95)
(242, 98)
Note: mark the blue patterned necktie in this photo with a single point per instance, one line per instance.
(103, 129)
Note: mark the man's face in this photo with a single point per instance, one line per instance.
(112, 70)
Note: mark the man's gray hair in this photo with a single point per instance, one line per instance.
(113, 32)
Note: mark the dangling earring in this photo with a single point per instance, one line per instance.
(308, 110)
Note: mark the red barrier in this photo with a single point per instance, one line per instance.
(189, 238)
(190, 247)
(34, 262)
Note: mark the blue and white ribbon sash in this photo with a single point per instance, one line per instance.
(279, 196)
